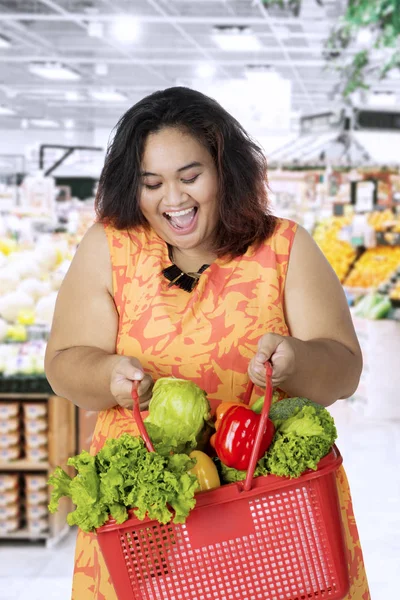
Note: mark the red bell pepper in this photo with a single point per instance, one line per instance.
(236, 435)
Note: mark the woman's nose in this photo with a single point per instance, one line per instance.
(174, 196)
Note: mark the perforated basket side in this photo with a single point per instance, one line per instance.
(294, 551)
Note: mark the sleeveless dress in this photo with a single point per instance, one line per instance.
(207, 336)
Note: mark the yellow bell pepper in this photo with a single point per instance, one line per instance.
(205, 471)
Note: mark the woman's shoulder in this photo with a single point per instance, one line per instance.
(135, 237)
(282, 238)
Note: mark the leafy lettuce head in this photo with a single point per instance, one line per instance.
(178, 411)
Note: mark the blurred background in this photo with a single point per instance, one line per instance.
(317, 83)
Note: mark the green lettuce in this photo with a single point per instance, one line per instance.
(231, 475)
(178, 413)
(125, 475)
(300, 442)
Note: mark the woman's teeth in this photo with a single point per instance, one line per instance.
(179, 213)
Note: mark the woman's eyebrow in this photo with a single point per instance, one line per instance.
(189, 166)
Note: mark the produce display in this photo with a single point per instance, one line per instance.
(339, 253)
(374, 267)
(22, 359)
(373, 306)
(29, 281)
(395, 293)
(384, 220)
(162, 485)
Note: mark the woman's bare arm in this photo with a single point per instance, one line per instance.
(321, 360)
(81, 363)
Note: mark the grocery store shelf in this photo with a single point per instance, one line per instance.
(23, 465)
(27, 396)
(24, 534)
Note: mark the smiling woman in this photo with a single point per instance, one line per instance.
(177, 150)
(187, 274)
(181, 202)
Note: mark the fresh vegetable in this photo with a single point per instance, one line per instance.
(230, 475)
(222, 409)
(205, 471)
(125, 475)
(287, 408)
(300, 441)
(257, 405)
(236, 434)
(305, 433)
(178, 413)
(373, 306)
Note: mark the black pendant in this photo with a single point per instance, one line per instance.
(185, 281)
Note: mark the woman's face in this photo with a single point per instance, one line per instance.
(179, 189)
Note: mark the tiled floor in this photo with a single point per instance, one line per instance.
(372, 457)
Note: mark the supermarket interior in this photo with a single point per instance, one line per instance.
(317, 84)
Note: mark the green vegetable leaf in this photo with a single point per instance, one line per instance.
(300, 441)
(125, 475)
(61, 483)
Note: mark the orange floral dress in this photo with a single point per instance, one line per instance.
(207, 336)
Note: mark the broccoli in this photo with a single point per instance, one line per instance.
(288, 407)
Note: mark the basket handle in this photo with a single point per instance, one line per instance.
(261, 426)
(138, 417)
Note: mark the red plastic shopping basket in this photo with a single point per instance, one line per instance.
(268, 538)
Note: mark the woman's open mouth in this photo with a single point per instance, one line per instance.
(182, 221)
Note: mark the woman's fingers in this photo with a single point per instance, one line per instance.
(127, 371)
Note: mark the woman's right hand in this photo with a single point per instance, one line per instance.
(125, 372)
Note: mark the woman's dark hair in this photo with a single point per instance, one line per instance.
(244, 218)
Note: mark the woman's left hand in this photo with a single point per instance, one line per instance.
(277, 349)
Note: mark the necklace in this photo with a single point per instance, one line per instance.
(186, 281)
(175, 276)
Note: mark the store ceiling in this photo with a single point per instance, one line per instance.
(175, 37)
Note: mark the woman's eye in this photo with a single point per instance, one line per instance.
(190, 180)
(152, 187)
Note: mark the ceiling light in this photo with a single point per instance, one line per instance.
(45, 123)
(382, 99)
(108, 96)
(282, 31)
(24, 123)
(236, 39)
(394, 73)
(4, 42)
(69, 123)
(125, 29)
(101, 69)
(72, 96)
(5, 111)
(95, 29)
(54, 71)
(206, 70)
(254, 72)
(364, 37)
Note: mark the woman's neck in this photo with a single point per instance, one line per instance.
(190, 261)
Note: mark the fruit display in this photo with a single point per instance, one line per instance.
(374, 267)
(29, 281)
(382, 220)
(395, 293)
(339, 253)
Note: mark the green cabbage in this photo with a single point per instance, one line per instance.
(178, 413)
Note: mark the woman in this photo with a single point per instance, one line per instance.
(186, 274)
